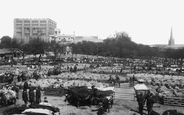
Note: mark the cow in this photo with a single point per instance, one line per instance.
(104, 97)
(78, 96)
(8, 96)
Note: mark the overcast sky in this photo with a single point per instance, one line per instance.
(146, 21)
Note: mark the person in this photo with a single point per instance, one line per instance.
(94, 93)
(118, 80)
(75, 68)
(133, 80)
(149, 103)
(100, 110)
(141, 102)
(45, 100)
(38, 95)
(31, 95)
(110, 79)
(130, 82)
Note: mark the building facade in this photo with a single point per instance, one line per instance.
(26, 29)
(71, 38)
(62, 38)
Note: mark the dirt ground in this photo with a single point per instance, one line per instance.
(123, 104)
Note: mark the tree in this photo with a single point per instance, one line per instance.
(6, 41)
(35, 46)
(14, 44)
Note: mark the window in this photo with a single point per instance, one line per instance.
(35, 21)
(43, 21)
(26, 24)
(26, 21)
(18, 24)
(35, 25)
(43, 25)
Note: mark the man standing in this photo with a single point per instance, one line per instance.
(149, 103)
(141, 102)
(117, 80)
(38, 95)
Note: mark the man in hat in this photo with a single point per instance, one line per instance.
(141, 102)
(149, 103)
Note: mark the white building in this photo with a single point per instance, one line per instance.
(71, 38)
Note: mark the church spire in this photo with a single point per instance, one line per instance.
(171, 40)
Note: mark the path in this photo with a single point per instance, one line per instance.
(124, 92)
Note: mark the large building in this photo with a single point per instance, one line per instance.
(26, 29)
(71, 38)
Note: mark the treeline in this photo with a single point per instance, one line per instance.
(120, 46)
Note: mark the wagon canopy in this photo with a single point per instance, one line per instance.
(141, 87)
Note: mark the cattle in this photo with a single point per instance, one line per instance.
(82, 95)
(104, 97)
(8, 96)
(78, 95)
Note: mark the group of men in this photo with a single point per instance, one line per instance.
(149, 100)
(32, 94)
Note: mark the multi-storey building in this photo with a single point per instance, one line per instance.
(26, 29)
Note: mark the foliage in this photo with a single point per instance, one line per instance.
(5, 42)
(120, 45)
(35, 46)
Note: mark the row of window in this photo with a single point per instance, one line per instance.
(28, 33)
(28, 21)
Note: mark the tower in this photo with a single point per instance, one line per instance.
(171, 40)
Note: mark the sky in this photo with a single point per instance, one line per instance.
(146, 21)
